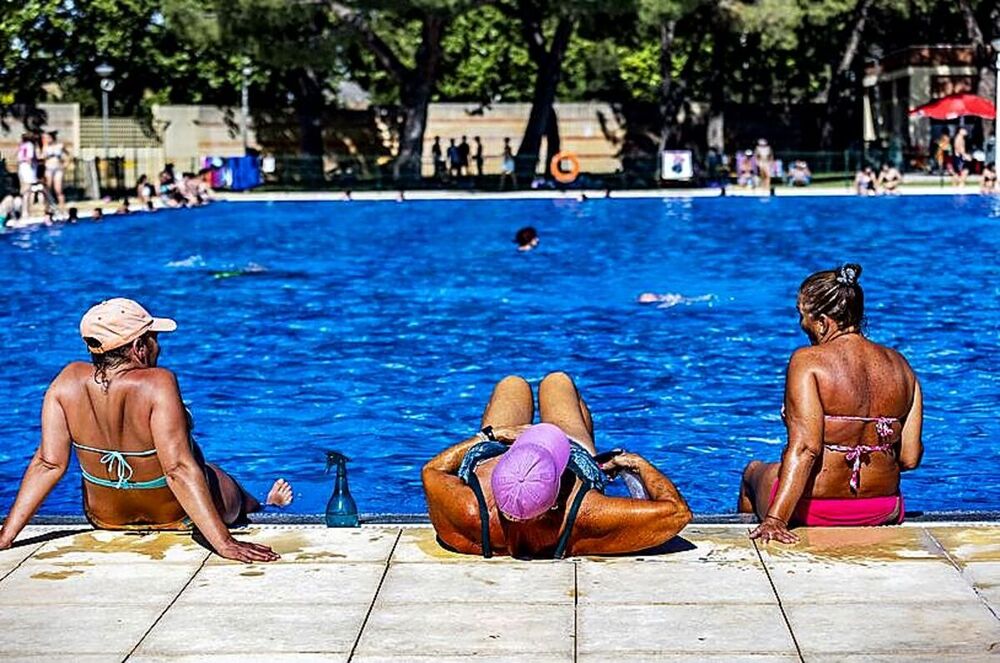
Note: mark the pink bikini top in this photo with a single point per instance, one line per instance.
(883, 429)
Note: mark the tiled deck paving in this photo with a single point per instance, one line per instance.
(921, 592)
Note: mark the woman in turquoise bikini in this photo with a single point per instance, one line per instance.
(127, 422)
(854, 412)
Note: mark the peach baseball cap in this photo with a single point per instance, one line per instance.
(116, 322)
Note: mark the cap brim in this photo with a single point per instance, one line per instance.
(163, 325)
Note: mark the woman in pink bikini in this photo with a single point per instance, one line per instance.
(853, 411)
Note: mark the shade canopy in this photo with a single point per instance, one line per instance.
(955, 106)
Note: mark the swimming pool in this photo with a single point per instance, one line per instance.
(378, 329)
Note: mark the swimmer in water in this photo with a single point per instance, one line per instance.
(670, 299)
(250, 270)
(526, 238)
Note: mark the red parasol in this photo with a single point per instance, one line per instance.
(955, 106)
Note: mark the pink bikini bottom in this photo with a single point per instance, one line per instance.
(859, 511)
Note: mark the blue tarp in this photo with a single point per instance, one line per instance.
(235, 173)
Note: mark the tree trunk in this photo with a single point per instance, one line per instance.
(986, 87)
(416, 84)
(549, 62)
(837, 84)
(309, 105)
(717, 89)
(552, 140)
(417, 91)
(411, 136)
(668, 100)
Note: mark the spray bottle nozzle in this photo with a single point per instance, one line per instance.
(335, 458)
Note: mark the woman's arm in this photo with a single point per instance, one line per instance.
(619, 525)
(185, 476)
(804, 421)
(449, 500)
(911, 446)
(44, 470)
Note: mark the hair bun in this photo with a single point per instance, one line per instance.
(848, 274)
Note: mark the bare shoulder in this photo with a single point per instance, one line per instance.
(155, 381)
(897, 357)
(72, 375)
(159, 376)
(807, 358)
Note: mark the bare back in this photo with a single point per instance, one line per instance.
(118, 420)
(858, 378)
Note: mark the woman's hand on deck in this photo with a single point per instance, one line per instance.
(773, 529)
(246, 552)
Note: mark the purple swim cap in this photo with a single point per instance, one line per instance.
(526, 479)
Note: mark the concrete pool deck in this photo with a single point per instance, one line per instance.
(919, 592)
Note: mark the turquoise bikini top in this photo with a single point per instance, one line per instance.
(117, 465)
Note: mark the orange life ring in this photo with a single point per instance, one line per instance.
(557, 163)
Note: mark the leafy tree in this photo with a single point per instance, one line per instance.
(663, 16)
(411, 56)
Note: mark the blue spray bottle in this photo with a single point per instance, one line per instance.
(341, 511)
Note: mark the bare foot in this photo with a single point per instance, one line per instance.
(280, 494)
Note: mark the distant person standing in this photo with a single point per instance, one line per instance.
(746, 170)
(54, 153)
(508, 169)
(463, 157)
(765, 162)
(454, 160)
(27, 168)
(960, 156)
(437, 154)
(479, 157)
(942, 152)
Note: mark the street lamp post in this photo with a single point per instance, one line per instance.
(104, 70)
(996, 116)
(245, 105)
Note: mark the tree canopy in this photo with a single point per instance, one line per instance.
(656, 55)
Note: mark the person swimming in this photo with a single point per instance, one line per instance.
(526, 238)
(671, 299)
(854, 413)
(252, 269)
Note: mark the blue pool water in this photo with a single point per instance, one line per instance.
(379, 329)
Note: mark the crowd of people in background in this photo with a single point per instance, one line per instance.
(954, 157)
(41, 166)
(462, 160)
(42, 160)
(456, 161)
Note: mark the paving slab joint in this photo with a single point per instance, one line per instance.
(378, 590)
(576, 611)
(958, 567)
(167, 608)
(777, 598)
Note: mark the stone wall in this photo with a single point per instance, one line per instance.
(185, 134)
